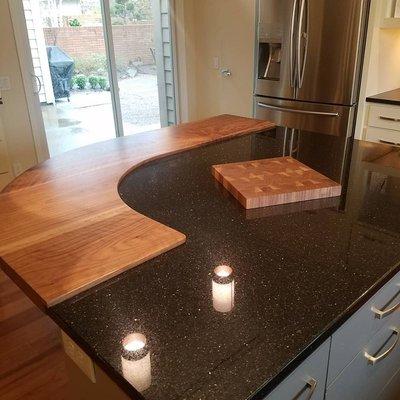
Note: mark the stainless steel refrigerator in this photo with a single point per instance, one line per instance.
(308, 70)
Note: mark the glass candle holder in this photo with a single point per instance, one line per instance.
(223, 289)
(135, 361)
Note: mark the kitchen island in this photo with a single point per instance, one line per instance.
(302, 272)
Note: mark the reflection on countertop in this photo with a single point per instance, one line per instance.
(290, 275)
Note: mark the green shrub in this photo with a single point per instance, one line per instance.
(93, 81)
(74, 22)
(81, 81)
(103, 83)
(94, 64)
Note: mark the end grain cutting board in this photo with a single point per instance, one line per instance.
(274, 181)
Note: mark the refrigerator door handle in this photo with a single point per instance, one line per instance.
(297, 111)
(302, 34)
(291, 45)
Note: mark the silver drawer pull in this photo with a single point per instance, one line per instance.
(389, 118)
(380, 314)
(310, 386)
(373, 360)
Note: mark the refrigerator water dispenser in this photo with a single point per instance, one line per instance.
(269, 61)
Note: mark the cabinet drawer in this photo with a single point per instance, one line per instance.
(308, 380)
(392, 389)
(366, 378)
(350, 338)
(4, 166)
(386, 117)
(382, 135)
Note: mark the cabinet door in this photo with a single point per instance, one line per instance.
(365, 377)
(307, 382)
(352, 337)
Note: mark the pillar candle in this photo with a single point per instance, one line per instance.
(135, 361)
(223, 289)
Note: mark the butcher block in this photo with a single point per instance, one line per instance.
(274, 181)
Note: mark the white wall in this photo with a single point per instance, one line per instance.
(216, 28)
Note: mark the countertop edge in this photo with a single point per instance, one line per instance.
(383, 101)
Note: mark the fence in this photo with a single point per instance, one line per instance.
(132, 42)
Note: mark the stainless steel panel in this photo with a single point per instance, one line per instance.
(319, 135)
(323, 118)
(333, 31)
(276, 27)
(327, 154)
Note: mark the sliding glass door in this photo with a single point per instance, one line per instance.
(132, 28)
(101, 68)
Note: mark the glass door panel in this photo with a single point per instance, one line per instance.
(132, 26)
(70, 65)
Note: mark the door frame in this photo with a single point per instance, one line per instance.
(30, 87)
(164, 29)
(112, 67)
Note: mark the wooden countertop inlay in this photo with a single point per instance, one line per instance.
(63, 226)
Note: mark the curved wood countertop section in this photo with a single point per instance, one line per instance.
(63, 226)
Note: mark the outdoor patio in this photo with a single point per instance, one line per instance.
(88, 117)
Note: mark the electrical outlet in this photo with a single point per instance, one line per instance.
(79, 357)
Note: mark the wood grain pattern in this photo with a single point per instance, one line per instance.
(274, 181)
(63, 226)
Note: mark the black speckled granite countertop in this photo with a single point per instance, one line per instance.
(390, 97)
(300, 271)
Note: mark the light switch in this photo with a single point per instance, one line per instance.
(5, 83)
(216, 62)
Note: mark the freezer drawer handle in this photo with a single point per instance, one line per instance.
(373, 360)
(389, 118)
(293, 110)
(380, 314)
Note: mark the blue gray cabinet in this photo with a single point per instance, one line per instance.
(352, 336)
(373, 367)
(365, 351)
(360, 361)
(307, 382)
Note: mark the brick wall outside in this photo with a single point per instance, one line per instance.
(132, 42)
